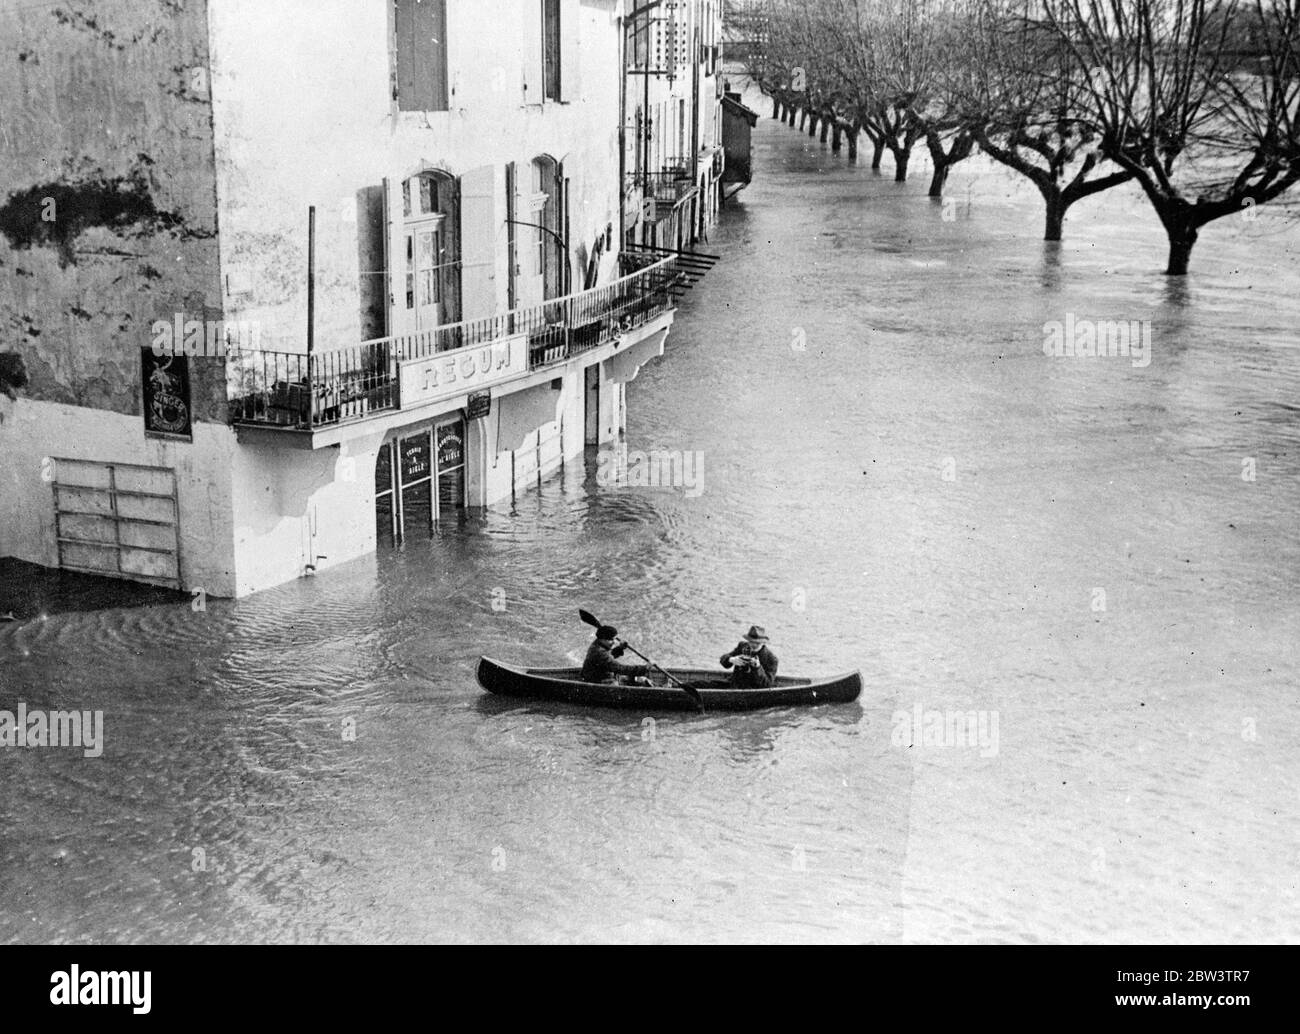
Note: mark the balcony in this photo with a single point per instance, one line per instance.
(299, 392)
(662, 191)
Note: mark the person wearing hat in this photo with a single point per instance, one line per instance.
(601, 663)
(753, 664)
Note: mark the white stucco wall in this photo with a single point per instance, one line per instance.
(295, 508)
(34, 430)
(303, 115)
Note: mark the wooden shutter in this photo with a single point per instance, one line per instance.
(551, 30)
(570, 37)
(512, 251)
(435, 43)
(395, 252)
(420, 31)
(531, 50)
(479, 226)
(404, 51)
(562, 228)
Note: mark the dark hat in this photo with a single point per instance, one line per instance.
(756, 634)
(607, 632)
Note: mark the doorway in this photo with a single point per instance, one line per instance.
(431, 250)
(591, 395)
(420, 481)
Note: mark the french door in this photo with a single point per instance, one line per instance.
(426, 268)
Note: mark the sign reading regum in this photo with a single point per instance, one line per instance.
(441, 376)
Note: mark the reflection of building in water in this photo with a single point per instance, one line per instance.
(435, 229)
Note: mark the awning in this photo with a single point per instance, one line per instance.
(624, 366)
(520, 414)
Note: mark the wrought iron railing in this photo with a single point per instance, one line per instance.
(669, 185)
(305, 392)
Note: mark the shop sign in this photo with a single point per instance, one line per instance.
(480, 405)
(464, 370)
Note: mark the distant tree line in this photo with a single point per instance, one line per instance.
(1197, 101)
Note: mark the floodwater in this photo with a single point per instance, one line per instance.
(896, 479)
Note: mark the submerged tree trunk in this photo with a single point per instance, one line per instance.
(837, 136)
(944, 160)
(1182, 239)
(902, 155)
(1056, 209)
(812, 123)
(851, 132)
(826, 127)
(803, 118)
(877, 154)
(1057, 198)
(776, 107)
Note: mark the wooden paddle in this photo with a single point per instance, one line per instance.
(694, 694)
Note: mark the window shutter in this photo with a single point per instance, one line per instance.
(420, 40)
(394, 250)
(479, 226)
(570, 38)
(562, 228)
(531, 50)
(437, 54)
(404, 46)
(512, 254)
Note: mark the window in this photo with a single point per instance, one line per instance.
(431, 252)
(420, 46)
(541, 171)
(551, 49)
(641, 43)
(450, 451)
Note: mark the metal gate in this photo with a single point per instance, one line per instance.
(118, 520)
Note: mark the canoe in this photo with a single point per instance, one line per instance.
(562, 684)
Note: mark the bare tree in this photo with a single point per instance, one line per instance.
(906, 61)
(948, 120)
(1202, 137)
(1019, 85)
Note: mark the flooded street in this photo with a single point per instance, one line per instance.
(895, 479)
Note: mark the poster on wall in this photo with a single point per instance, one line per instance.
(166, 392)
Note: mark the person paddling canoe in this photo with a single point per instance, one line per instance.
(602, 664)
(753, 664)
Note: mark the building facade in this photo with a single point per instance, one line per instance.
(286, 283)
(672, 152)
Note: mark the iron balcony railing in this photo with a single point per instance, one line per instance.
(668, 186)
(306, 392)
